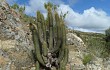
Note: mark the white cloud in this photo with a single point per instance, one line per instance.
(72, 2)
(35, 5)
(89, 30)
(58, 2)
(91, 19)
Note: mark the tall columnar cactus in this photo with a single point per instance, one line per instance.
(49, 39)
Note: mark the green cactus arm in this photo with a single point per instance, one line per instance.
(37, 46)
(51, 39)
(39, 30)
(61, 55)
(61, 66)
(39, 21)
(45, 59)
(65, 59)
(64, 34)
(50, 19)
(38, 16)
(43, 26)
(58, 27)
(37, 66)
(44, 48)
(44, 30)
(57, 47)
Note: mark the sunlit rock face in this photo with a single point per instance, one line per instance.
(74, 39)
(76, 51)
(15, 40)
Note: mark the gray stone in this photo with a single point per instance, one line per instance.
(15, 44)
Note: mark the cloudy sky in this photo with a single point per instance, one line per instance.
(84, 15)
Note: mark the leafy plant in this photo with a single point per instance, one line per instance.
(87, 59)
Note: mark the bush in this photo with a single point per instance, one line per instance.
(87, 59)
(107, 38)
(105, 54)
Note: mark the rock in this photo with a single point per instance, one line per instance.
(15, 44)
(76, 41)
(98, 64)
(4, 61)
(73, 39)
(33, 68)
(75, 60)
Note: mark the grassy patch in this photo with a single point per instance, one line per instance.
(87, 59)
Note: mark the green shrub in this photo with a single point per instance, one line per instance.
(104, 54)
(107, 39)
(87, 59)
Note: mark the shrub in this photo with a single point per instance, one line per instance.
(107, 39)
(87, 59)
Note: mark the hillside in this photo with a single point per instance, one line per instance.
(95, 42)
(95, 54)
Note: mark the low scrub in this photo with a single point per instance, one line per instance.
(87, 59)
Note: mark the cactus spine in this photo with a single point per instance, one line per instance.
(49, 39)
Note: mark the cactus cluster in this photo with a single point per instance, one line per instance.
(49, 39)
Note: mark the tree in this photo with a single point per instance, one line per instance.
(49, 39)
(15, 6)
(107, 32)
(107, 38)
(18, 8)
(22, 9)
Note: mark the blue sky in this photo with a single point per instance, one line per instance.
(78, 5)
(81, 5)
(84, 15)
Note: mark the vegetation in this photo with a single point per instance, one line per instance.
(87, 59)
(18, 8)
(49, 38)
(15, 6)
(23, 17)
(107, 38)
(95, 42)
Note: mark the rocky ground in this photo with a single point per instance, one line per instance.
(77, 50)
(16, 46)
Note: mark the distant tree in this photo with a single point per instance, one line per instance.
(22, 9)
(18, 8)
(15, 6)
(107, 38)
(107, 32)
